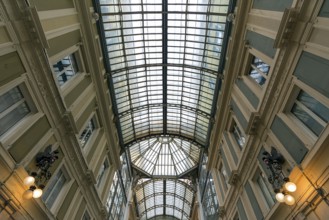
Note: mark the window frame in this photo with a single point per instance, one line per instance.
(233, 126)
(84, 213)
(93, 118)
(293, 101)
(23, 103)
(224, 181)
(301, 130)
(244, 68)
(250, 53)
(69, 84)
(73, 66)
(258, 192)
(252, 67)
(63, 191)
(268, 198)
(237, 148)
(15, 131)
(101, 176)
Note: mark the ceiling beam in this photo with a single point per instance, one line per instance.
(164, 61)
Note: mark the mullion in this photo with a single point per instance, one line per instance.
(201, 73)
(141, 154)
(183, 70)
(209, 71)
(155, 58)
(186, 153)
(189, 72)
(164, 61)
(124, 50)
(155, 12)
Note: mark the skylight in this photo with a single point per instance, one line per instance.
(163, 58)
(164, 156)
(158, 197)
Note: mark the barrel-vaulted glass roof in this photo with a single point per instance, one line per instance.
(159, 197)
(163, 57)
(164, 60)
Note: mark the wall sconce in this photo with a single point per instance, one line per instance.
(281, 184)
(36, 180)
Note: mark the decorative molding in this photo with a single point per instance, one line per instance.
(221, 211)
(247, 44)
(37, 27)
(253, 123)
(61, 31)
(90, 177)
(104, 213)
(234, 177)
(44, 15)
(70, 123)
(95, 16)
(7, 47)
(286, 27)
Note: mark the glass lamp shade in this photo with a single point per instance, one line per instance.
(28, 194)
(37, 193)
(290, 186)
(289, 200)
(28, 181)
(279, 197)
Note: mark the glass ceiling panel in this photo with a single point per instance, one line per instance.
(158, 197)
(164, 59)
(164, 156)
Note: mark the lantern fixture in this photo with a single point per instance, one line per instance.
(37, 179)
(281, 184)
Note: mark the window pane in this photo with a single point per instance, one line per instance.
(225, 176)
(240, 139)
(259, 70)
(85, 135)
(54, 187)
(116, 201)
(209, 201)
(101, 172)
(65, 69)
(307, 120)
(261, 180)
(315, 106)
(257, 77)
(10, 98)
(13, 117)
(261, 65)
(313, 114)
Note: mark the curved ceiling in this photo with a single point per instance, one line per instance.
(163, 58)
(164, 156)
(169, 197)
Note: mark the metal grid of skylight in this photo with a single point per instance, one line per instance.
(170, 197)
(164, 156)
(164, 58)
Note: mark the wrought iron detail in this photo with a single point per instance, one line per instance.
(274, 162)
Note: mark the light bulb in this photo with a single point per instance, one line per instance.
(28, 181)
(290, 186)
(28, 194)
(289, 200)
(37, 193)
(279, 197)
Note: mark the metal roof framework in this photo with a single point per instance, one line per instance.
(169, 197)
(164, 60)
